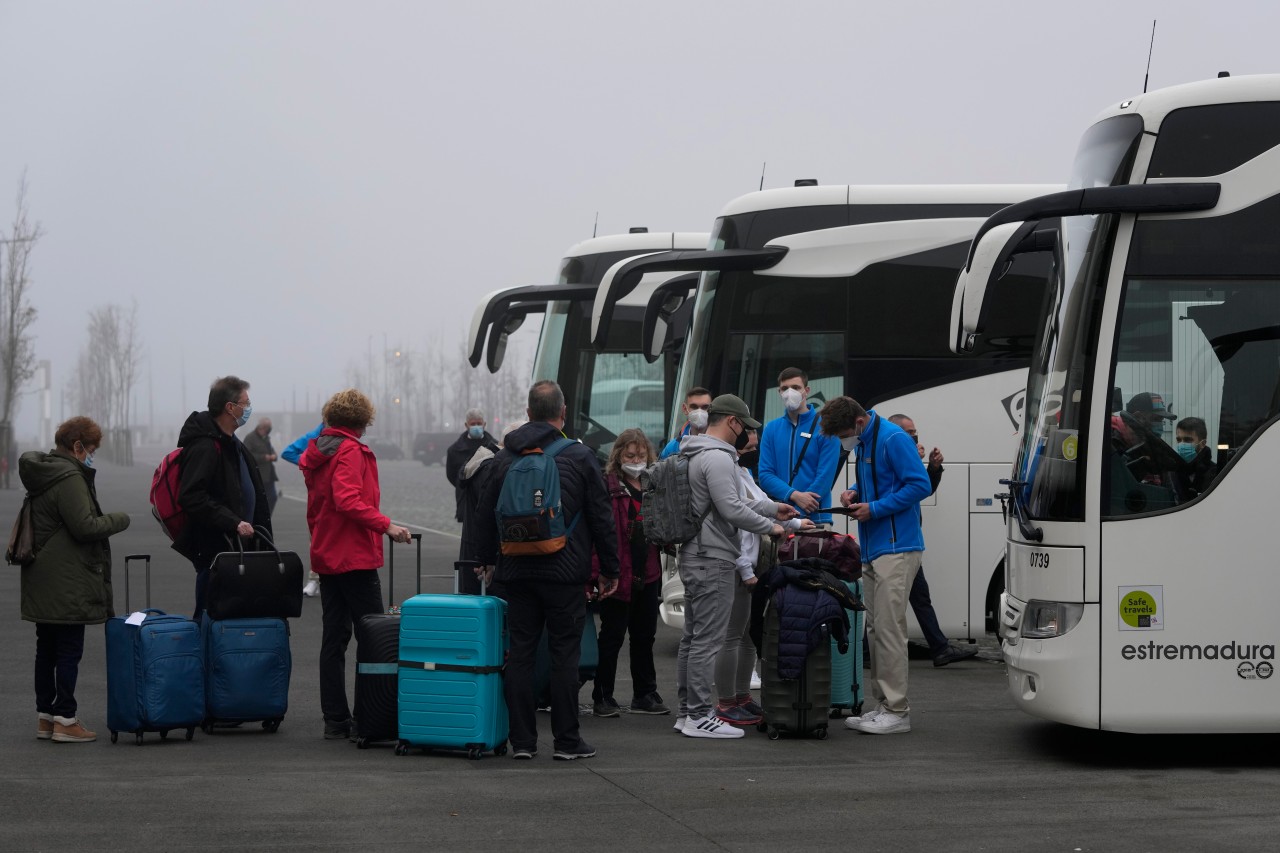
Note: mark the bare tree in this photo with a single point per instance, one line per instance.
(105, 375)
(17, 346)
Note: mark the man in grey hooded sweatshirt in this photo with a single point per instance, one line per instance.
(707, 561)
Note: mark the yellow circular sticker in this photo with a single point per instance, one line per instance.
(1137, 608)
(1069, 448)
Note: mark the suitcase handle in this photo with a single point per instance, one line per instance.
(391, 570)
(460, 566)
(127, 560)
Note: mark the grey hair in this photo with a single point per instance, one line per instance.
(474, 415)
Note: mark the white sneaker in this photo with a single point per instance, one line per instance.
(755, 679)
(679, 726)
(710, 727)
(887, 723)
(312, 589)
(855, 723)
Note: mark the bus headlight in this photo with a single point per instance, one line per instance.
(1044, 619)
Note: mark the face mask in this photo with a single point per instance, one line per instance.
(849, 442)
(633, 469)
(741, 441)
(244, 416)
(750, 459)
(698, 419)
(1187, 451)
(791, 399)
(88, 461)
(475, 432)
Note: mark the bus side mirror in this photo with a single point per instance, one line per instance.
(988, 262)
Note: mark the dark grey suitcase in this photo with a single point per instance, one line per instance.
(799, 706)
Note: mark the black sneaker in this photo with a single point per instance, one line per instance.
(582, 750)
(524, 753)
(953, 654)
(606, 707)
(340, 730)
(651, 704)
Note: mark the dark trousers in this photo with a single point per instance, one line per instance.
(639, 618)
(922, 606)
(561, 608)
(344, 598)
(202, 585)
(58, 652)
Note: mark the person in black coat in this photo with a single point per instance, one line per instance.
(459, 454)
(219, 489)
(548, 589)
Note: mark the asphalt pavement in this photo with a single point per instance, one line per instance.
(974, 774)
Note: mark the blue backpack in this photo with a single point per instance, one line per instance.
(530, 518)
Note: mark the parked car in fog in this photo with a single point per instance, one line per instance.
(430, 448)
(385, 450)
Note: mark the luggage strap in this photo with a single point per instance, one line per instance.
(449, 667)
(377, 668)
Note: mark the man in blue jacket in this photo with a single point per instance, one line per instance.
(890, 482)
(797, 461)
(697, 403)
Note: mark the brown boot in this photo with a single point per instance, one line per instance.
(70, 730)
(44, 726)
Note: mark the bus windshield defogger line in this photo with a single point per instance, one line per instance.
(1171, 651)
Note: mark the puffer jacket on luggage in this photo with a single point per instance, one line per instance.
(70, 581)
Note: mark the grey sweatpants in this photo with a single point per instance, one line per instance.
(708, 600)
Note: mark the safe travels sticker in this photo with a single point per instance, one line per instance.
(1142, 608)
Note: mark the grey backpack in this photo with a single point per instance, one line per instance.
(666, 502)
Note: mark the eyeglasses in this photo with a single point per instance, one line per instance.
(243, 405)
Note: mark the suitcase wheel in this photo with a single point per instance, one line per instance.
(362, 743)
(857, 710)
(474, 754)
(164, 734)
(206, 726)
(774, 733)
(762, 727)
(820, 734)
(138, 739)
(115, 736)
(402, 748)
(271, 725)
(835, 714)
(191, 732)
(500, 749)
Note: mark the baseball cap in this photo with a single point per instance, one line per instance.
(728, 404)
(1149, 404)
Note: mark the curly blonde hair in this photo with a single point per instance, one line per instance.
(349, 409)
(635, 436)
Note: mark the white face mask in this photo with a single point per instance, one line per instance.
(698, 419)
(849, 442)
(633, 469)
(791, 399)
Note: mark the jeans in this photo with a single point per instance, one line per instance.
(708, 601)
(922, 606)
(345, 598)
(639, 618)
(562, 609)
(885, 581)
(58, 652)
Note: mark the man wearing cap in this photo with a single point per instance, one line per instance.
(707, 561)
(1150, 409)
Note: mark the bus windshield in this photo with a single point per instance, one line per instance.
(1050, 466)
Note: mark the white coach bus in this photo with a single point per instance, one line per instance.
(854, 284)
(607, 390)
(1141, 585)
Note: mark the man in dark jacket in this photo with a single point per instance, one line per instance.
(548, 589)
(219, 487)
(258, 443)
(459, 454)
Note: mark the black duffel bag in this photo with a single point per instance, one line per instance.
(260, 583)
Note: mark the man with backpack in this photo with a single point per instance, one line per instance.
(707, 559)
(219, 490)
(543, 511)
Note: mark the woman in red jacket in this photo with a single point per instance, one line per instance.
(346, 541)
(634, 607)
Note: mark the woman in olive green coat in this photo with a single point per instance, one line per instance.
(69, 584)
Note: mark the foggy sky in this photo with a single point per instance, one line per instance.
(284, 186)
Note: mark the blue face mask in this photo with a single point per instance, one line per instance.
(1187, 451)
(244, 415)
(475, 432)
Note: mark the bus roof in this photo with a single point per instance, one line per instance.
(856, 194)
(1154, 106)
(640, 242)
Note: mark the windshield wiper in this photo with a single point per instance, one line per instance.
(1029, 532)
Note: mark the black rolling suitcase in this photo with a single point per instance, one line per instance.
(377, 661)
(795, 706)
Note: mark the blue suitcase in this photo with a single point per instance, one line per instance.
(247, 669)
(846, 669)
(452, 651)
(155, 670)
